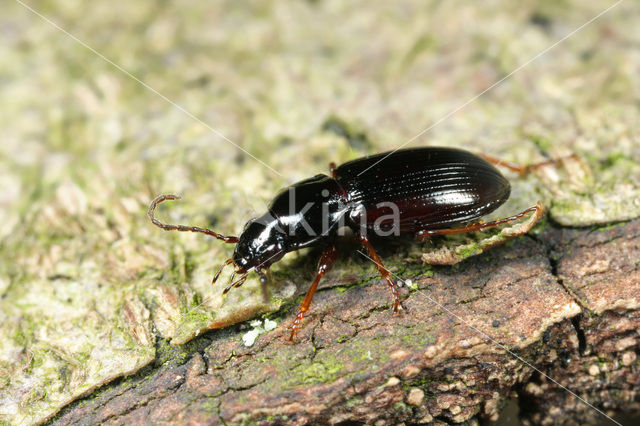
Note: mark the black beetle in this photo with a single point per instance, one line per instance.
(416, 191)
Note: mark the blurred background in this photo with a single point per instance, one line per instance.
(126, 100)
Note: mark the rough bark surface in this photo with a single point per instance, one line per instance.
(565, 302)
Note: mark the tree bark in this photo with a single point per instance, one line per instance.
(534, 319)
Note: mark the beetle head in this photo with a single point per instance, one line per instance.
(261, 243)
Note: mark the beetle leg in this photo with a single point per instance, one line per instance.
(538, 210)
(383, 272)
(264, 280)
(332, 169)
(326, 262)
(523, 170)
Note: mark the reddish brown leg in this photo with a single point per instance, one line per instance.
(383, 272)
(332, 169)
(523, 170)
(326, 262)
(538, 209)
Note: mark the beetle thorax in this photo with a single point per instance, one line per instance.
(310, 210)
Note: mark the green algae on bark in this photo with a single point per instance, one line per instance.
(57, 345)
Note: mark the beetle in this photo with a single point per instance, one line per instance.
(421, 192)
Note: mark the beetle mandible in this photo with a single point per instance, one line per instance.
(433, 189)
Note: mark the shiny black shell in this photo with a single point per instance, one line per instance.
(432, 187)
(319, 200)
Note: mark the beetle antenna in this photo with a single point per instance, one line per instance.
(160, 199)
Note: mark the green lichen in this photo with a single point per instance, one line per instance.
(353, 402)
(418, 340)
(425, 382)
(402, 407)
(324, 371)
(324, 368)
(468, 250)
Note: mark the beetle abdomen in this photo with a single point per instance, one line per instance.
(430, 187)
